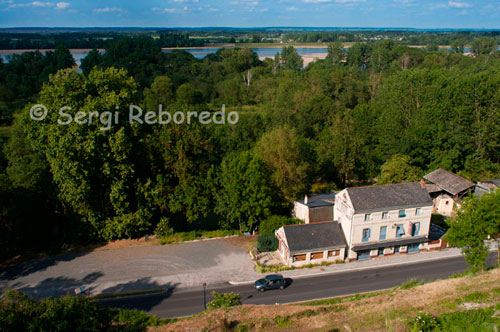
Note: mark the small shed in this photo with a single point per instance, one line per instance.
(311, 243)
(314, 208)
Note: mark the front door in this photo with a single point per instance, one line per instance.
(413, 247)
(381, 251)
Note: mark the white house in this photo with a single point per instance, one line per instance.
(384, 220)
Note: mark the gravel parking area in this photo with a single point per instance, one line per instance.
(135, 268)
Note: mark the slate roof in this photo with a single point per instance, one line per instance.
(391, 243)
(327, 199)
(314, 237)
(448, 181)
(389, 197)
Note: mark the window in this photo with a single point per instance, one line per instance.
(418, 211)
(381, 251)
(385, 215)
(383, 233)
(368, 217)
(333, 253)
(402, 213)
(415, 229)
(400, 231)
(366, 235)
(396, 249)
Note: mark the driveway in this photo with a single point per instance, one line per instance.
(134, 268)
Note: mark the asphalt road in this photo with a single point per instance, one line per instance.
(177, 303)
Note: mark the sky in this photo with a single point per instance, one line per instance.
(464, 14)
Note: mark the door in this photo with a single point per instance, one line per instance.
(396, 249)
(413, 247)
(381, 251)
(363, 254)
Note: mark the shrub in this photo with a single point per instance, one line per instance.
(478, 320)
(269, 225)
(424, 323)
(267, 242)
(163, 228)
(223, 300)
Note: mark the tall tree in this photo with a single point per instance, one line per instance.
(247, 195)
(399, 169)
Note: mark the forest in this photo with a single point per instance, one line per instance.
(378, 112)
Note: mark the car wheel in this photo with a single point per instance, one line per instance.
(282, 287)
(262, 289)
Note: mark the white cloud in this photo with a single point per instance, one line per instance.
(337, 1)
(62, 5)
(163, 10)
(291, 9)
(31, 4)
(459, 4)
(108, 10)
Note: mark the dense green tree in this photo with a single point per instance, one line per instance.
(475, 222)
(335, 54)
(271, 224)
(246, 196)
(290, 59)
(399, 169)
(93, 59)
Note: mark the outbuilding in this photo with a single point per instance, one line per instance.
(311, 243)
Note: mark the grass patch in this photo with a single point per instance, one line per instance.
(196, 235)
(414, 282)
(345, 299)
(259, 268)
(140, 319)
(477, 297)
(282, 321)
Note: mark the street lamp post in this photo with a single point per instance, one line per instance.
(204, 296)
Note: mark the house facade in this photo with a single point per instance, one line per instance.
(314, 208)
(384, 220)
(311, 243)
(486, 186)
(447, 190)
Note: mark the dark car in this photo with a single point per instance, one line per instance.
(271, 281)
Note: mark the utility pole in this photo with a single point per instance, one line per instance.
(204, 296)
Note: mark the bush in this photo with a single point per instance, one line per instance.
(163, 228)
(18, 312)
(424, 323)
(267, 242)
(223, 300)
(269, 225)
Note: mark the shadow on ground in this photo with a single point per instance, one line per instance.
(144, 302)
(60, 286)
(23, 269)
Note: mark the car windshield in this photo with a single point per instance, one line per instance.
(262, 281)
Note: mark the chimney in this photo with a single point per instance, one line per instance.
(305, 199)
(422, 183)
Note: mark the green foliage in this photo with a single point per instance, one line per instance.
(282, 321)
(474, 222)
(479, 320)
(424, 322)
(20, 313)
(247, 195)
(267, 242)
(271, 224)
(414, 282)
(290, 159)
(163, 228)
(223, 300)
(399, 169)
(290, 59)
(137, 320)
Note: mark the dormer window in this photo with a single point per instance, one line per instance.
(385, 215)
(368, 217)
(402, 213)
